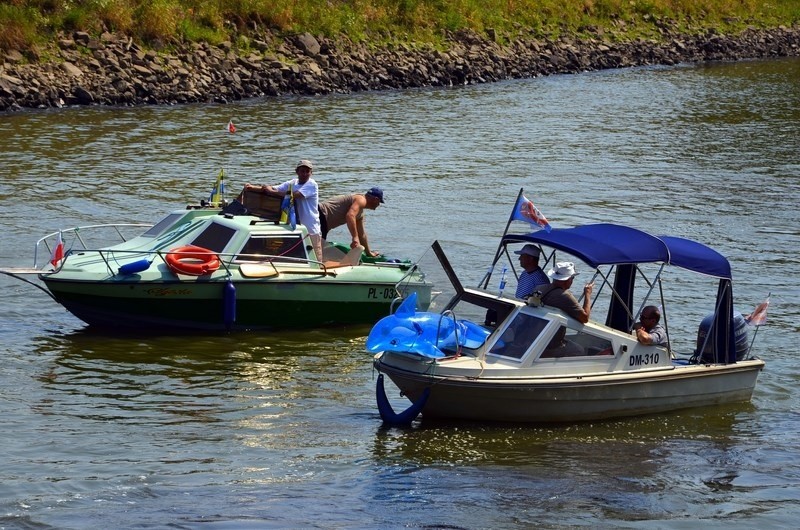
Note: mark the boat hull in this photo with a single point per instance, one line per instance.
(201, 305)
(571, 399)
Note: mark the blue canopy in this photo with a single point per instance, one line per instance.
(611, 244)
(625, 247)
(696, 257)
(600, 244)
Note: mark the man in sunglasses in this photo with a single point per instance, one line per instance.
(648, 330)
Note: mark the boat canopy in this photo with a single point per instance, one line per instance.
(600, 244)
(696, 257)
(625, 248)
(612, 244)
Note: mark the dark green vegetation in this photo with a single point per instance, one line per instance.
(28, 25)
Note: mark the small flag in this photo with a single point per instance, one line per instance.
(217, 195)
(231, 128)
(58, 251)
(759, 315)
(524, 210)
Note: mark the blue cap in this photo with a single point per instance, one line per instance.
(376, 192)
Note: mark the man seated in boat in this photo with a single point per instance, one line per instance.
(648, 330)
(558, 295)
(532, 276)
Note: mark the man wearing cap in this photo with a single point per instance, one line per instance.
(306, 199)
(349, 210)
(532, 275)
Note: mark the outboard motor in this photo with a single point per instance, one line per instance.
(740, 336)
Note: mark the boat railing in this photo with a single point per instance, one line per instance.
(80, 237)
(111, 257)
(228, 261)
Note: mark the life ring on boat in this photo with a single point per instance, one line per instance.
(192, 260)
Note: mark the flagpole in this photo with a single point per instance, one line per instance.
(488, 275)
(757, 327)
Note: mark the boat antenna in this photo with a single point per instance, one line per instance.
(500, 246)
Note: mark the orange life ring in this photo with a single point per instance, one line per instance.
(192, 260)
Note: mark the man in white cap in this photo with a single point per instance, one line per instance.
(306, 199)
(532, 275)
(349, 210)
(557, 294)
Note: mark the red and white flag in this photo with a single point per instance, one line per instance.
(759, 315)
(231, 128)
(58, 251)
(525, 210)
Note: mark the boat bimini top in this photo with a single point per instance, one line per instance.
(623, 249)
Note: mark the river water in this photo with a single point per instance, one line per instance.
(281, 430)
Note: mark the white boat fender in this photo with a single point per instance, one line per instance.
(134, 267)
(229, 304)
(388, 415)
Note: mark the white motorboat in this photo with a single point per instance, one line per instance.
(477, 355)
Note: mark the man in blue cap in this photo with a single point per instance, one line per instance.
(349, 210)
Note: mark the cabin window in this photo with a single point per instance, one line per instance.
(518, 336)
(215, 237)
(276, 248)
(162, 225)
(577, 343)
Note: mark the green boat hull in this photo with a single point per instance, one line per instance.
(205, 306)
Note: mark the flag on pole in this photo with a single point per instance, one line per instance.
(217, 195)
(58, 251)
(288, 214)
(525, 210)
(231, 128)
(759, 315)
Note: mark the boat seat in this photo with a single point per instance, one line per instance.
(351, 259)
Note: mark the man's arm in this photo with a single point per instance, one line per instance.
(586, 310)
(354, 224)
(362, 236)
(269, 190)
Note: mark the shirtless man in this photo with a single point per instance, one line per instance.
(349, 210)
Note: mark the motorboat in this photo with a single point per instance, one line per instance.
(235, 266)
(480, 354)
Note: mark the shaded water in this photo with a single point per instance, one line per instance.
(281, 430)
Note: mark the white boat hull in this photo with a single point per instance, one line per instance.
(574, 398)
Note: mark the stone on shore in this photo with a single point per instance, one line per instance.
(113, 70)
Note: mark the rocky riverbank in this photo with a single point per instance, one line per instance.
(112, 70)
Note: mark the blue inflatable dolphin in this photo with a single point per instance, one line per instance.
(423, 333)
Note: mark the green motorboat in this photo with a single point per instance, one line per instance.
(207, 267)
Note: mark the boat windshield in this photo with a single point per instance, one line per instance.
(519, 335)
(215, 237)
(281, 248)
(162, 225)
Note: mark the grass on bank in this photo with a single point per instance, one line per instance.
(26, 24)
